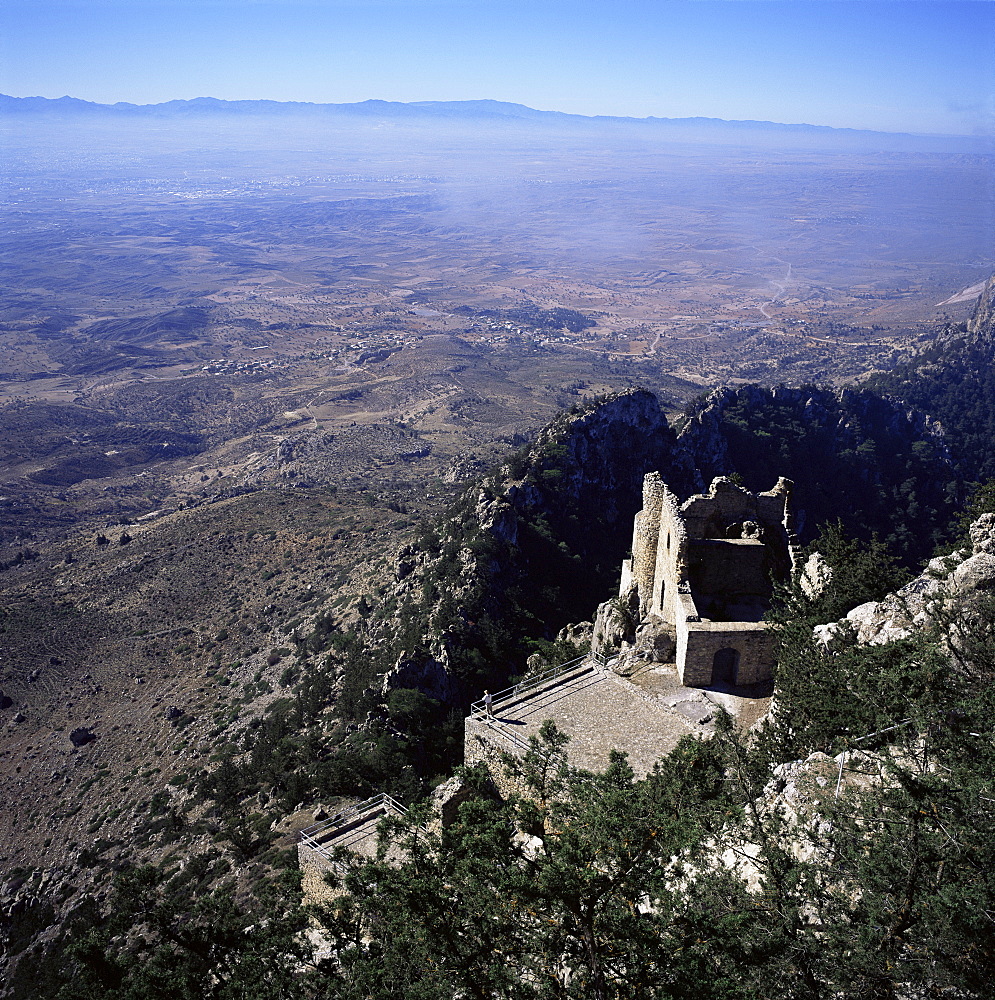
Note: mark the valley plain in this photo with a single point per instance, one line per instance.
(238, 281)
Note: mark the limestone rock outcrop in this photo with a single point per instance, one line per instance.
(448, 797)
(948, 579)
(526, 550)
(982, 322)
(816, 575)
(615, 624)
(425, 673)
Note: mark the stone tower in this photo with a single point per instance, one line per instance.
(707, 568)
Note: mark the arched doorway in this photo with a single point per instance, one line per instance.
(725, 666)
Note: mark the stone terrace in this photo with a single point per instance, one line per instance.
(599, 711)
(355, 830)
(644, 714)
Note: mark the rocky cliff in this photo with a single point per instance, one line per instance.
(982, 322)
(538, 543)
(953, 378)
(946, 591)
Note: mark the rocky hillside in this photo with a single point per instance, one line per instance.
(872, 462)
(945, 594)
(531, 547)
(234, 664)
(981, 325)
(538, 543)
(846, 849)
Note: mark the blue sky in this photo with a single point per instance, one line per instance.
(906, 65)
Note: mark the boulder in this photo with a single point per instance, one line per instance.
(448, 797)
(614, 624)
(975, 573)
(815, 577)
(655, 641)
(957, 575)
(578, 633)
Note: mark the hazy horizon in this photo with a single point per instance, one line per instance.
(123, 105)
(920, 68)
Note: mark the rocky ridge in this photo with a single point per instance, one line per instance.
(981, 325)
(532, 518)
(472, 584)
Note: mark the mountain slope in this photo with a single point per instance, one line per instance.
(954, 380)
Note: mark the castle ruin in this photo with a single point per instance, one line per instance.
(706, 568)
(702, 571)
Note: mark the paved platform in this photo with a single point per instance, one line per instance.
(644, 714)
(747, 704)
(599, 712)
(358, 838)
(354, 830)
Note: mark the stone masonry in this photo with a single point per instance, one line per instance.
(643, 715)
(600, 711)
(355, 831)
(705, 567)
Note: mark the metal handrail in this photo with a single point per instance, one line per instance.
(501, 728)
(309, 834)
(537, 680)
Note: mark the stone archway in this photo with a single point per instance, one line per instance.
(725, 666)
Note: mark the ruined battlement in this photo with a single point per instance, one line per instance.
(702, 571)
(707, 568)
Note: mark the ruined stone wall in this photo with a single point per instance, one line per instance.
(314, 867)
(779, 500)
(698, 642)
(671, 559)
(775, 504)
(709, 515)
(731, 566)
(645, 533)
(483, 744)
(708, 545)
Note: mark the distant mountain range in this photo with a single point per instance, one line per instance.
(493, 111)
